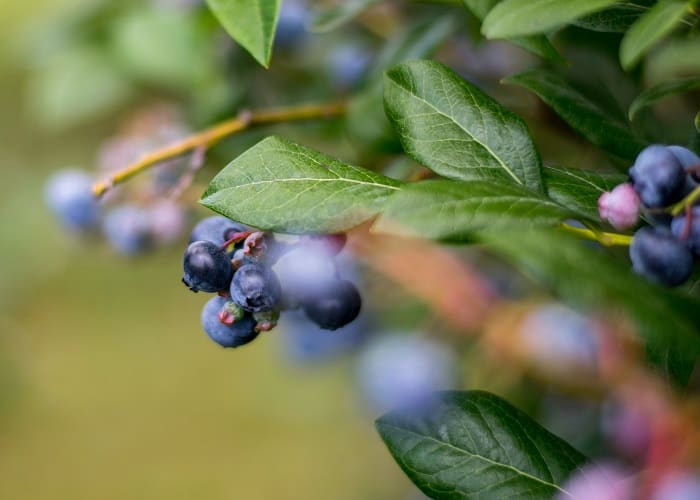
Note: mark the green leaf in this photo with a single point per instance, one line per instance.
(667, 322)
(649, 29)
(538, 44)
(583, 115)
(280, 186)
(76, 86)
(579, 190)
(452, 210)
(697, 122)
(339, 14)
(453, 128)
(474, 444)
(658, 92)
(251, 23)
(616, 19)
(512, 18)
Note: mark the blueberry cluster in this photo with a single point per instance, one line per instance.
(236, 262)
(661, 176)
(130, 228)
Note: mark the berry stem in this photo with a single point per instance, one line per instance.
(235, 238)
(688, 201)
(606, 239)
(211, 136)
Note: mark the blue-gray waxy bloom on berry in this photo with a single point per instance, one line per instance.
(206, 267)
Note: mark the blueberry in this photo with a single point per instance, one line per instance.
(240, 332)
(620, 206)
(168, 220)
(217, 229)
(403, 370)
(303, 270)
(658, 256)
(687, 157)
(558, 339)
(348, 65)
(255, 288)
(599, 481)
(692, 238)
(334, 305)
(658, 176)
(69, 195)
(305, 342)
(206, 267)
(127, 229)
(291, 26)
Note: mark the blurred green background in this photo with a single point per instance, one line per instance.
(108, 387)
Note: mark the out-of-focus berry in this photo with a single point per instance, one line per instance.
(128, 229)
(69, 195)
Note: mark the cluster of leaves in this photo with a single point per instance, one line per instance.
(491, 188)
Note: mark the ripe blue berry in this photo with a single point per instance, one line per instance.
(658, 176)
(687, 157)
(291, 26)
(304, 342)
(217, 229)
(403, 370)
(658, 256)
(348, 65)
(255, 288)
(69, 195)
(127, 229)
(206, 267)
(236, 334)
(692, 238)
(336, 304)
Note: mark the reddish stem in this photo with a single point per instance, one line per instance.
(688, 223)
(235, 238)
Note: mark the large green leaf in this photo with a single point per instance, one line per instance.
(579, 190)
(281, 186)
(582, 114)
(339, 14)
(537, 44)
(474, 444)
(453, 128)
(251, 23)
(658, 92)
(452, 210)
(512, 18)
(668, 322)
(649, 29)
(616, 19)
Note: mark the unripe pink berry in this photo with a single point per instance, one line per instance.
(620, 206)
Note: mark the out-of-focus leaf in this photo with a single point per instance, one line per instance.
(280, 186)
(165, 47)
(512, 18)
(537, 44)
(76, 86)
(453, 128)
(339, 14)
(251, 23)
(583, 115)
(658, 92)
(615, 19)
(579, 190)
(649, 29)
(452, 210)
(667, 322)
(474, 444)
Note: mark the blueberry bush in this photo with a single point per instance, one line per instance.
(530, 178)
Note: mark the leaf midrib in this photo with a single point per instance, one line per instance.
(487, 148)
(308, 179)
(477, 456)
